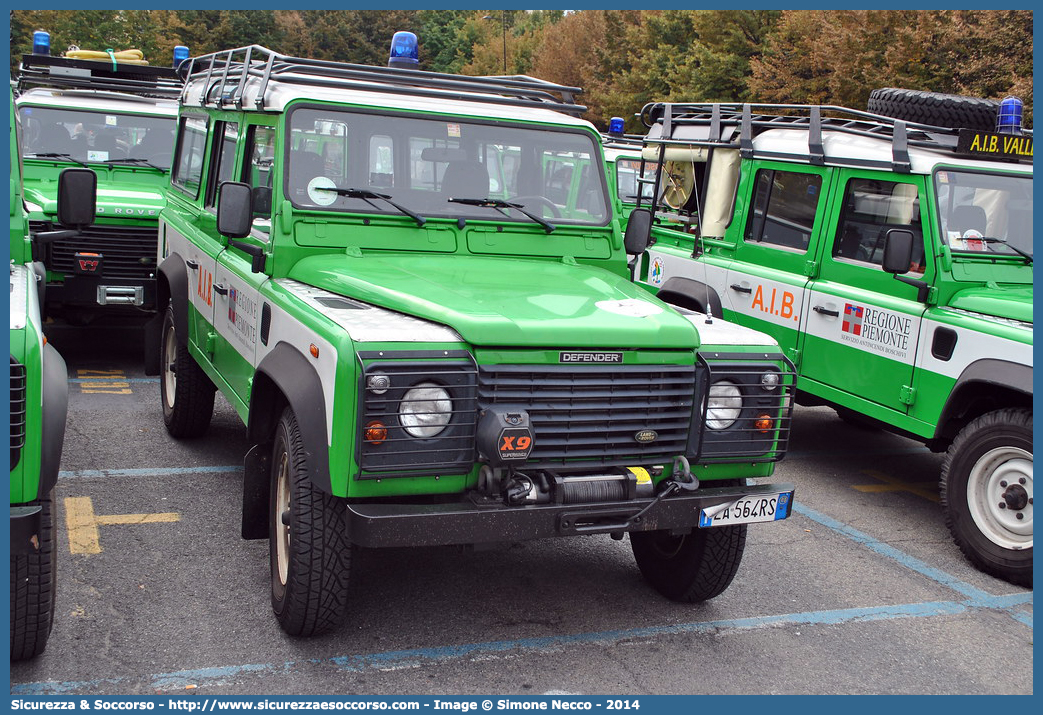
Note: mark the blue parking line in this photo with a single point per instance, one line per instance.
(976, 599)
(371, 662)
(904, 559)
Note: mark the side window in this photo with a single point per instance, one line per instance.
(258, 157)
(222, 161)
(872, 208)
(784, 206)
(188, 164)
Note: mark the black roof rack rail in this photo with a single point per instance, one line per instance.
(67, 73)
(706, 124)
(227, 73)
(623, 141)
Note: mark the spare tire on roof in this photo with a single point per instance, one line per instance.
(940, 110)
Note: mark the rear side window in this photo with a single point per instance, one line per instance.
(784, 207)
(188, 163)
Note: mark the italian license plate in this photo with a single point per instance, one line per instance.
(747, 510)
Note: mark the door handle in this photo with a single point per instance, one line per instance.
(220, 289)
(826, 311)
(192, 264)
(741, 289)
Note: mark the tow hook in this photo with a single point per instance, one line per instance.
(682, 475)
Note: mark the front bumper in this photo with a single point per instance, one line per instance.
(375, 525)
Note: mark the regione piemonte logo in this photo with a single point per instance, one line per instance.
(852, 319)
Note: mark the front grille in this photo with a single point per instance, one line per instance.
(129, 252)
(591, 415)
(17, 411)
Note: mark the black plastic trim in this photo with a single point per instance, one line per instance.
(295, 377)
(55, 384)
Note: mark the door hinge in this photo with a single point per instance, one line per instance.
(211, 342)
(810, 268)
(794, 355)
(907, 395)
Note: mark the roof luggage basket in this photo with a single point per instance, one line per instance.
(736, 125)
(66, 73)
(227, 73)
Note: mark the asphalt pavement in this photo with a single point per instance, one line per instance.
(861, 590)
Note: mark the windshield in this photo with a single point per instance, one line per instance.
(975, 207)
(97, 136)
(420, 163)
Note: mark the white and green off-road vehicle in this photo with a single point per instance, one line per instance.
(890, 256)
(434, 339)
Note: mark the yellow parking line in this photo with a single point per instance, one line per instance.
(894, 485)
(82, 523)
(110, 382)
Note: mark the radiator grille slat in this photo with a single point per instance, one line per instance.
(18, 411)
(593, 413)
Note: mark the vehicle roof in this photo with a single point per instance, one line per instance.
(97, 100)
(847, 146)
(280, 94)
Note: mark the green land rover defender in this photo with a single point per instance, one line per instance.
(889, 253)
(118, 120)
(431, 343)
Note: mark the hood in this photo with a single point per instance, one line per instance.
(121, 194)
(506, 302)
(1002, 302)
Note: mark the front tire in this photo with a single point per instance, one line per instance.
(185, 390)
(309, 552)
(986, 490)
(694, 567)
(33, 586)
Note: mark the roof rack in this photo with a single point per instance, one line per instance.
(66, 73)
(226, 74)
(713, 124)
(622, 141)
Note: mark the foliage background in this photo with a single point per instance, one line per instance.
(622, 58)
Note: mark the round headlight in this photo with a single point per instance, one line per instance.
(769, 380)
(724, 405)
(425, 410)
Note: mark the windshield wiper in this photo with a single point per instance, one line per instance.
(132, 160)
(366, 195)
(1005, 242)
(501, 205)
(55, 155)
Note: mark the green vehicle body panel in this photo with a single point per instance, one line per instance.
(478, 297)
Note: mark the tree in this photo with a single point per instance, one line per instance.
(831, 57)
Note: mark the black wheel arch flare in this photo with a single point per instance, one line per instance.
(285, 371)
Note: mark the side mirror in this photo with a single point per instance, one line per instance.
(262, 201)
(639, 231)
(234, 209)
(898, 250)
(77, 198)
(898, 257)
